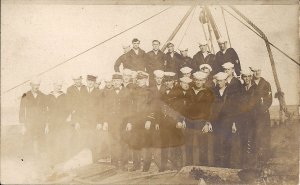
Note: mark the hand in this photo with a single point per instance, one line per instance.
(77, 126)
(233, 128)
(105, 126)
(179, 125)
(183, 124)
(69, 118)
(23, 131)
(147, 125)
(99, 126)
(210, 129)
(205, 129)
(47, 129)
(128, 126)
(157, 127)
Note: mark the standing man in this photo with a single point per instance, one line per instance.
(262, 116)
(32, 116)
(206, 68)
(136, 57)
(203, 57)
(172, 60)
(185, 60)
(155, 60)
(122, 59)
(234, 84)
(227, 55)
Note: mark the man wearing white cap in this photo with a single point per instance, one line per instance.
(199, 147)
(127, 78)
(204, 57)
(262, 118)
(32, 116)
(185, 60)
(234, 84)
(227, 55)
(136, 57)
(172, 59)
(122, 59)
(225, 118)
(206, 68)
(186, 72)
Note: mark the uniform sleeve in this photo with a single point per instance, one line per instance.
(237, 64)
(22, 111)
(118, 63)
(267, 99)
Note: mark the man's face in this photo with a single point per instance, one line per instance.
(171, 48)
(257, 74)
(247, 79)
(97, 85)
(155, 46)
(229, 71)
(108, 84)
(78, 82)
(136, 44)
(222, 46)
(169, 84)
(184, 53)
(126, 49)
(205, 70)
(221, 83)
(34, 87)
(185, 86)
(141, 82)
(57, 87)
(126, 78)
(158, 80)
(117, 83)
(203, 48)
(90, 83)
(186, 75)
(199, 83)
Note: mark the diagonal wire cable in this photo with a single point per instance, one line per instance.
(85, 51)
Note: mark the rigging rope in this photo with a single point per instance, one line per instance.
(263, 37)
(110, 38)
(203, 29)
(226, 26)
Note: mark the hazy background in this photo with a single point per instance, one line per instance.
(35, 37)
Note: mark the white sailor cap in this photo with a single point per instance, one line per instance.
(35, 80)
(202, 42)
(246, 72)
(169, 74)
(186, 70)
(107, 78)
(159, 73)
(125, 45)
(76, 76)
(202, 66)
(186, 79)
(127, 72)
(199, 75)
(221, 76)
(228, 65)
(255, 67)
(221, 40)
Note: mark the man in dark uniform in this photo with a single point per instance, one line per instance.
(141, 125)
(203, 57)
(172, 60)
(136, 57)
(246, 126)
(155, 60)
(185, 72)
(262, 115)
(32, 116)
(127, 79)
(224, 118)
(227, 55)
(234, 84)
(200, 147)
(122, 59)
(118, 105)
(185, 60)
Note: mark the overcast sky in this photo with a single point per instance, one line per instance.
(35, 37)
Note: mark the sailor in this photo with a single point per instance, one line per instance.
(226, 55)
(155, 60)
(59, 130)
(200, 147)
(185, 60)
(32, 116)
(140, 125)
(186, 72)
(204, 57)
(262, 114)
(224, 119)
(234, 84)
(127, 79)
(172, 60)
(98, 83)
(206, 68)
(171, 137)
(246, 126)
(122, 59)
(136, 57)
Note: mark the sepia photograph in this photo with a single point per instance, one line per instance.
(154, 92)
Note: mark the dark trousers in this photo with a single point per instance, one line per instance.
(223, 138)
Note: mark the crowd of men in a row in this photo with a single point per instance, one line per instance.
(185, 114)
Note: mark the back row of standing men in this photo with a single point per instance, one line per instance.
(202, 119)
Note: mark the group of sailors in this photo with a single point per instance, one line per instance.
(167, 108)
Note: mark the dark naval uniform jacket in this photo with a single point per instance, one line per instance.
(172, 62)
(136, 62)
(230, 55)
(199, 59)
